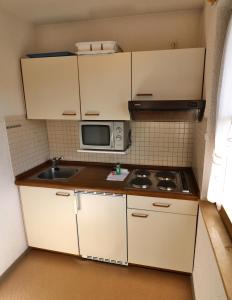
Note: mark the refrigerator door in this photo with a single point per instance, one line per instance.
(102, 227)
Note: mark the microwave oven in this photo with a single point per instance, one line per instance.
(108, 135)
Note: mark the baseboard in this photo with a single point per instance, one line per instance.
(11, 267)
(159, 269)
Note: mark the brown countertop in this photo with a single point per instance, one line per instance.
(93, 178)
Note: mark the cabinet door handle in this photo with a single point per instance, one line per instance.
(92, 114)
(69, 113)
(63, 194)
(157, 204)
(144, 94)
(137, 215)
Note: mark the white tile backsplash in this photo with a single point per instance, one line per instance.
(28, 142)
(153, 143)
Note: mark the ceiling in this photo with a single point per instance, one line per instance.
(52, 11)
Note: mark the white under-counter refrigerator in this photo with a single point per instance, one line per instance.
(102, 226)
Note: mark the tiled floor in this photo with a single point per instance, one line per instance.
(43, 275)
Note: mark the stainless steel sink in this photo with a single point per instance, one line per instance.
(58, 173)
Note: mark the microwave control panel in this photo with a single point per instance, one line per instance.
(121, 135)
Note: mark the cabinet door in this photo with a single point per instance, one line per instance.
(161, 240)
(51, 87)
(50, 218)
(168, 74)
(102, 227)
(105, 86)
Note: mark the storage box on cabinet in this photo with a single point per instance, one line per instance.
(51, 87)
(50, 218)
(161, 237)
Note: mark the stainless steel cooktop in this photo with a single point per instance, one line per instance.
(159, 180)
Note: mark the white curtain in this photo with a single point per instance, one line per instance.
(220, 185)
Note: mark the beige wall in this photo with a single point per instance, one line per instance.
(17, 38)
(141, 32)
(198, 151)
(216, 18)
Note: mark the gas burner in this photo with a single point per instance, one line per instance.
(165, 175)
(141, 182)
(166, 185)
(142, 173)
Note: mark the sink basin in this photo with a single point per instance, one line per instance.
(59, 173)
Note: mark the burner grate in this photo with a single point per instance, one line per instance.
(142, 173)
(141, 183)
(165, 175)
(166, 185)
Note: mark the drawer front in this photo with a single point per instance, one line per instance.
(163, 204)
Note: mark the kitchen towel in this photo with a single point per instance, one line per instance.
(113, 177)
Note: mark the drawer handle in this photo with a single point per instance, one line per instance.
(156, 204)
(144, 94)
(63, 194)
(136, 215)
(92, 114)
(69, 113)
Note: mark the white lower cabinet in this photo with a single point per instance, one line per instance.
(116, 228)
(102, 227)
(161, 239)
(50, 218)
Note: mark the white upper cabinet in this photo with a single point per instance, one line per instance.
(51, 87)
(105, 86)
(175, 74)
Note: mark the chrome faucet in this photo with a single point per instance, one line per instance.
(55, 161)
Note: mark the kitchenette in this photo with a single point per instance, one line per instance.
(129, 217)
(108, 159)
(116, 221)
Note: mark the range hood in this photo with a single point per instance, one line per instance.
(167, 110)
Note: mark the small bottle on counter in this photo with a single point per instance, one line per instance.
(118, 169)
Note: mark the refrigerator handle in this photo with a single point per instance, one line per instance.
(78, 201)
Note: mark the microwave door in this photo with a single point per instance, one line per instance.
(97, 136)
